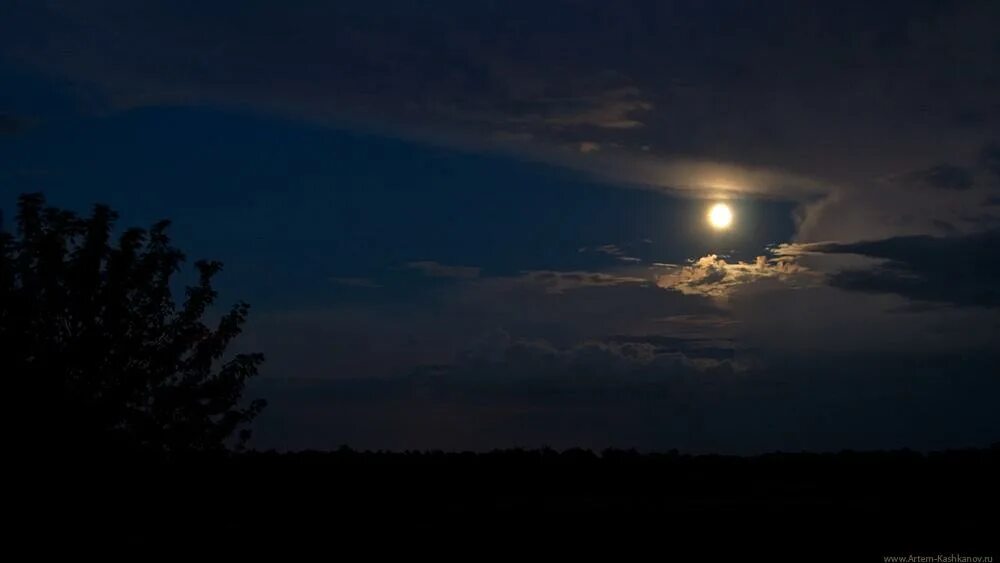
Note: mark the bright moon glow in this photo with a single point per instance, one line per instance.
(720, 216)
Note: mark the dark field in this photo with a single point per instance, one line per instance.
(859, 505)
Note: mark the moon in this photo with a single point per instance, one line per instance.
(720, 216)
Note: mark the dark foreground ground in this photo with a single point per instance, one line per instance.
(847, 506)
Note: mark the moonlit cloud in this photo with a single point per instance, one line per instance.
(713, 276)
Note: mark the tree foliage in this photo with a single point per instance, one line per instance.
(90, 324)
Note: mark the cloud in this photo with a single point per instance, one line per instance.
(694, 177)
(713, 276)
(559, 282)
(940, 200)
(551, 281)
(433, 269)
(589, 146)
(405, 323)
(785, 92)
(570, 308)
(959, 270)
(702, 327)
(610, 110)
(989, 158)
(943, 177)
(691, 347)
(617, 252)
(501, 356)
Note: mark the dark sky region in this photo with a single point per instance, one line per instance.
(482, 224)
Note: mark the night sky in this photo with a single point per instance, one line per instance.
(469, 225)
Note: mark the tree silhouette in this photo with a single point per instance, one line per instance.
(109, 361)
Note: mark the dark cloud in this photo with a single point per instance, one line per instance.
(619, 253)
(614, 354)
(841, 88)
(989, 158)
(689, 347)
(433, 269)
(640, 357)
(961, 270)
(944, 177)
(613, 110)
(944, 226)
(558, 282)
(413, 319)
